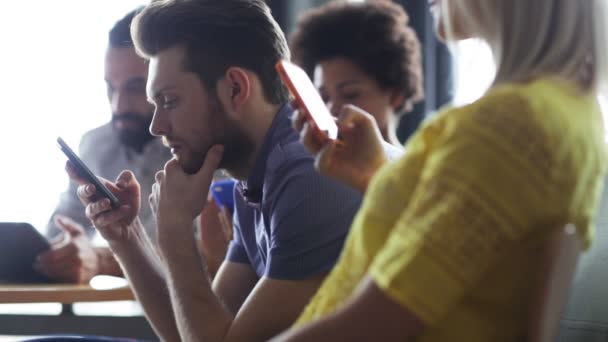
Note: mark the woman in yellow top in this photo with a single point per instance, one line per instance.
(445, 246)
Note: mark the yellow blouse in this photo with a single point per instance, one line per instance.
(451, 230)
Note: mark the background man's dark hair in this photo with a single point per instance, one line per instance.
(375, 35)
(216, 34)
(120, 34)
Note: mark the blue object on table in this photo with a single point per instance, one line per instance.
(223, 193)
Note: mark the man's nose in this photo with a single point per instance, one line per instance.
(334, 107)
(120, 103)
(159, 125)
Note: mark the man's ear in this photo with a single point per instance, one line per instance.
(234, 88)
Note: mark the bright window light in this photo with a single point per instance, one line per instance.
(474, 71)
(52, 85)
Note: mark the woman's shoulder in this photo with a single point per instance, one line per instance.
(549, 115)
(539, 96)
(543, 103)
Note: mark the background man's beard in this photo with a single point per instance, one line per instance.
(133, 137)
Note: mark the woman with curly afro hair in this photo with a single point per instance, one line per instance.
(363, 54)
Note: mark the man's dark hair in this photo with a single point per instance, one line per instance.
(374, 35)
(120, 34)
(216, 35)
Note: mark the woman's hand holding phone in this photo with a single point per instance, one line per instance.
(114, 224)
(353, 158)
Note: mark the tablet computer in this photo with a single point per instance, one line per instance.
(20, 244)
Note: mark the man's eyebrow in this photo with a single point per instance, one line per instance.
(159, 93)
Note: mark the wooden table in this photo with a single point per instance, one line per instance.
(61, 293)
(67, 322)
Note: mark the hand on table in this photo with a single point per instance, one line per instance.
(72, 258)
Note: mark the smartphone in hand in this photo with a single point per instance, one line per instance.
(301, 87)
(85, 173)
(223, 193)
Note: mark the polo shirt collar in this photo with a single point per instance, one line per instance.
(252, 188)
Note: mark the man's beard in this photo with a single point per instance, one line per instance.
(133, 137)
(238, 146)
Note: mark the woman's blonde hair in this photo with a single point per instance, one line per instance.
(533, 38)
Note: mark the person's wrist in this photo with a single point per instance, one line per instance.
(366, 177)
(170, 224)
(174, 230)
(132, 236)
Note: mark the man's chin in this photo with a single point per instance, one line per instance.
(189, 166)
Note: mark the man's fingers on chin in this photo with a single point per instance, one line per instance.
(171, 166)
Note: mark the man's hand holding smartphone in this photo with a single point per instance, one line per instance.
(113, 221)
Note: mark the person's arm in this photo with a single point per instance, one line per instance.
(128, 240)
(147, 279)
(369, 316)
(233, 284)
(203, 315)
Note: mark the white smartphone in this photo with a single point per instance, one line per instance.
(301, 87)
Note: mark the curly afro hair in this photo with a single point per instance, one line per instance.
(375, 35)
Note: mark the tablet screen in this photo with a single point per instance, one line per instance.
(20, 244)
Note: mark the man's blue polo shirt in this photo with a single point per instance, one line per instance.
(290, 222)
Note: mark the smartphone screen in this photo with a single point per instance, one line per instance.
(301, 87)
(85, 173)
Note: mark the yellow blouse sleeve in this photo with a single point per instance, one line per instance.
(484, 186)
